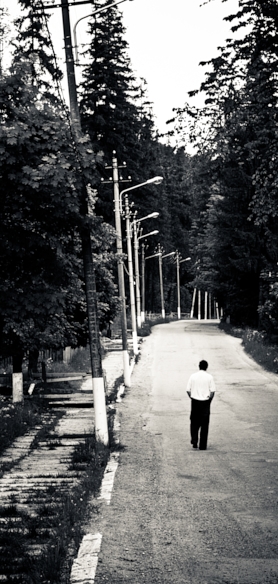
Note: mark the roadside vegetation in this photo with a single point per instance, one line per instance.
(55, 529)
(17, 419)
(257, 345)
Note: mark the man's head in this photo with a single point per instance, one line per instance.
(203, 365)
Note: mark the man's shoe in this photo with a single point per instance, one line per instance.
(194, 446)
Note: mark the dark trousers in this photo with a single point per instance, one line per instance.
(199, 420)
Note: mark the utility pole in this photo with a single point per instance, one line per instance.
(121, 280)
(143, 283)
(137, 276)
(178, 285)
(130, 277)
(161, 281)
(101, 426)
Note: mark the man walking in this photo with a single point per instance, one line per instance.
(200, 388)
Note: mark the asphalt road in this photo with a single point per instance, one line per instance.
(183, 516)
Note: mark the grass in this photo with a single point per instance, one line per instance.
(57, 528)
(19, 418)
(57, 560)
(257, 345)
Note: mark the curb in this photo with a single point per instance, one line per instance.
(84, 567)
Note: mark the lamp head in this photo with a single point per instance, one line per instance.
(156, 180)
(145, 235)
(154, 215)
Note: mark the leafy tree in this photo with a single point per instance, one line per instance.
(39, 262)
(42, 285)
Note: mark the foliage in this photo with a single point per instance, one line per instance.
(42, 286)
(117, 115)
(41, 289)
(234, 235)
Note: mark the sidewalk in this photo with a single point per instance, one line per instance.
(40, 476)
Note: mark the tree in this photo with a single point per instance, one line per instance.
(238, 234)
(42, 283)
(39, 218)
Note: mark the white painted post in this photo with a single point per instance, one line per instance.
(206, 306)
(17, 380)
(101, 429)
(67, 355)
(193, 303)
(199, 304)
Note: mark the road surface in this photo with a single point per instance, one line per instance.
(183, 516)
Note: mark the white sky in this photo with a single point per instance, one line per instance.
(167, 40)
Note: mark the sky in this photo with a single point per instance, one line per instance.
(167, 40)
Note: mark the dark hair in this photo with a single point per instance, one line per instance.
(203, 365)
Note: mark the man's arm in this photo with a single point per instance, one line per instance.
(188, 389)
(212, 388)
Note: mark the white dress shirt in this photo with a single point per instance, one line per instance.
(200, 385)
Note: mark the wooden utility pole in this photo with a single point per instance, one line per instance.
(120, 263)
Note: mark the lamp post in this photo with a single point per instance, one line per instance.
(155, 180)
(136, 260)
(120, 264)
(88, 16)
(179, 261)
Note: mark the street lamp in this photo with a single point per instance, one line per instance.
(179, 261)
(155, 180)
(136, 261)
(160, 258)
(88, 16)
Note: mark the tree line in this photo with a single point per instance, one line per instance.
(42, 288)
(233, 174)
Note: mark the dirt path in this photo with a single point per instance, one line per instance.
(190, 517)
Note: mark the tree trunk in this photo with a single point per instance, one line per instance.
(33, 362)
